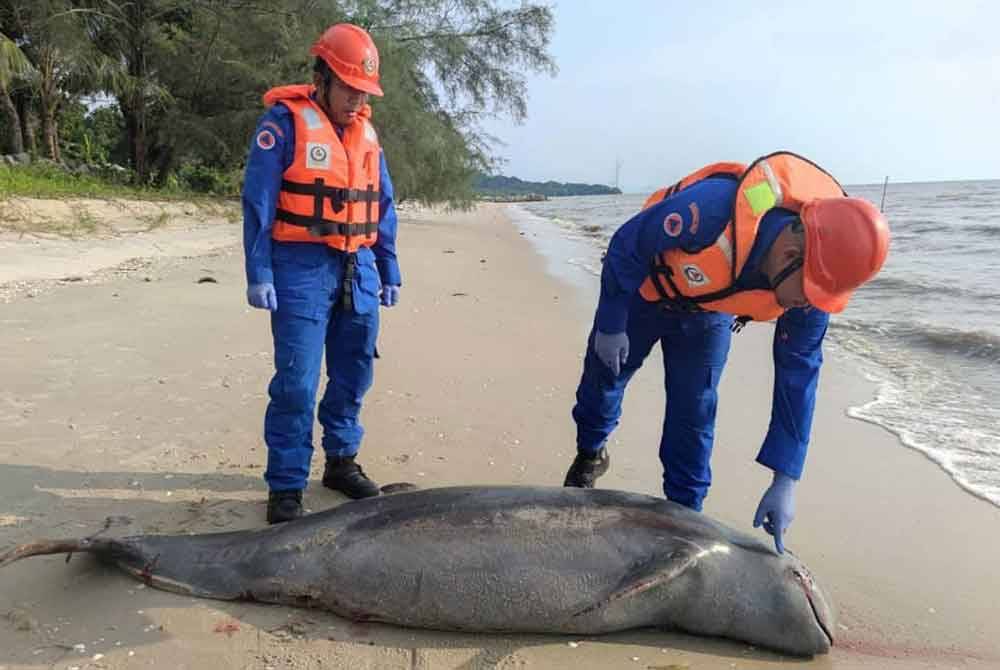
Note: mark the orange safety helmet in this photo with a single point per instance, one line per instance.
(847, 240)
(351, 54)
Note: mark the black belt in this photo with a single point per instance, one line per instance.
(339, 197)
(325, 227)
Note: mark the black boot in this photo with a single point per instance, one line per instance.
(346, 476)
(284, 506)
(586, 469)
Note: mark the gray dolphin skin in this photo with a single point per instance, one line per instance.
(497, 559)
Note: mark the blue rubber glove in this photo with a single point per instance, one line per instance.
(777, 508)
(611, 349)
(262, 296)
(390, 295)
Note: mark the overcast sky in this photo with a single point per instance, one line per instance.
(866, 89)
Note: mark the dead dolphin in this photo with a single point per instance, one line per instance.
(497, 559)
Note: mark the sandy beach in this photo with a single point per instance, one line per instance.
(134, 387)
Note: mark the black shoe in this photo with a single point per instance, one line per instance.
(586, 469)
(346, 476)
(284, 506)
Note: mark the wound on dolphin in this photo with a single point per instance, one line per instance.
(497, 559)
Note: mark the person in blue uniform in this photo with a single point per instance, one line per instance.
(320, 247)
(788, 265)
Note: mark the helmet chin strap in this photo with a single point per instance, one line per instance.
(322, 98)
(786, 273)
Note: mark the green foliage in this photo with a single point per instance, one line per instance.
(13, 62)
(52, 39)
(91, 137)
(76, 141)
(187, 78)
(106, 127)
(446, 66)
(476, 52)
(49, 180)
(15, 69)
(428, 157)
(206, 179)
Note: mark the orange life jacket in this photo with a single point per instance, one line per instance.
(703, 280)
(330, 192)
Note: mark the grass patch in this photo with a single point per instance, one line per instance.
(47, 180)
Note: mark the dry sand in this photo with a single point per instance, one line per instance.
(130, 390)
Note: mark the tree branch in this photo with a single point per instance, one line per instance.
(479, 32)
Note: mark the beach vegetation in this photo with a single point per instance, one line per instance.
(164, 95)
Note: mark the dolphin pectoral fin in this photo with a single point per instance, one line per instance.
(645, 576)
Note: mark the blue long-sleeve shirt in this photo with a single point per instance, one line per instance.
(799, 332)
(262, 183)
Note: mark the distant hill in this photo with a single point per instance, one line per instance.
(498, 186)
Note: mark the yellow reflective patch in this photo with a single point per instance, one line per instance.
(761, 197)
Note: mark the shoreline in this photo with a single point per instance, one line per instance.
(554, 244)
(120, 414)
(857, 412)
(845, 378)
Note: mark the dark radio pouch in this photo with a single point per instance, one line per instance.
(347, 287)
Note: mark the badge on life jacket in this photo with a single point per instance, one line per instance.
(317, 156)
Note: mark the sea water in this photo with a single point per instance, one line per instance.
(927, 328)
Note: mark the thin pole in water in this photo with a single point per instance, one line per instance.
(881, 206)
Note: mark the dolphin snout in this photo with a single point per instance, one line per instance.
(820, 605)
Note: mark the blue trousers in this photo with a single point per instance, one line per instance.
(311, 320)
(695, 348)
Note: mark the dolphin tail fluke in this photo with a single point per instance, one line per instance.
(46, 547)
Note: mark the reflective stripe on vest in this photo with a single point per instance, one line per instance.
(330, 193)
(704, 280)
